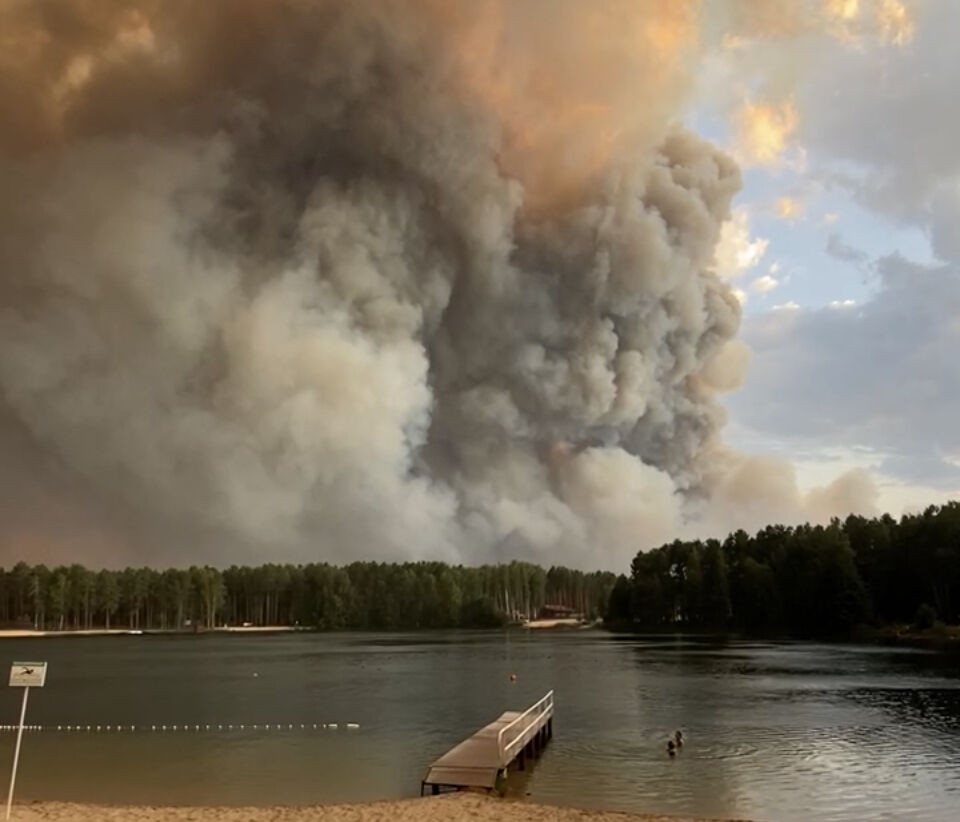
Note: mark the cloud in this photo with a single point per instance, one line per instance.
(850, 22)
(882, 377)
(764, 131)
(897, 24)
(877, 373)
(790, 208)
(764, 284)
(944, 216)
(887, 131)
(736, 251)
(841, 251)
(759, 490)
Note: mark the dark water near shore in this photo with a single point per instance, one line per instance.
(776, 731)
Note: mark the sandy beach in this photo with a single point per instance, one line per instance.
(23, 633)
(542, 624)
(460, 807)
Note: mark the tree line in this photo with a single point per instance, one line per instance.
(362, 595)
(806, 580)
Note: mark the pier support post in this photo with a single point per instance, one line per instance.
(521, 764)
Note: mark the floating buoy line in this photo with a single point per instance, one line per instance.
(188, 728)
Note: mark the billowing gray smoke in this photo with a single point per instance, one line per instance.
(354, 280)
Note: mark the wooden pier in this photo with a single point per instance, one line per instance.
(480, 759)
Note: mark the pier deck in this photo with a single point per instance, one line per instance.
(478, 760)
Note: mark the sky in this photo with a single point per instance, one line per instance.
(849, 268)
(289, 280)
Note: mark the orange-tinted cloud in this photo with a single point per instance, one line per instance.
(790, 208)
(765, 130)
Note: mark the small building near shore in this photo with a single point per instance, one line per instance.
(558, 612)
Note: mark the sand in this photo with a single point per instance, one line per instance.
(554, 623)
(459, 807)
(21, 633)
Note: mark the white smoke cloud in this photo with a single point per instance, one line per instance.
(764, 284)
(737, 251)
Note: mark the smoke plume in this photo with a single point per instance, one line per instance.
(304, 279)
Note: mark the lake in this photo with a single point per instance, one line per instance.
(775, 730)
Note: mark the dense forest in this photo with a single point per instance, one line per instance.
(806, 580)
(358, 596)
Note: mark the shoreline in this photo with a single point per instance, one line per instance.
(457, 807)
(560, 622)
(29, 633)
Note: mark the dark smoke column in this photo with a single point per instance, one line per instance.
(323, 280)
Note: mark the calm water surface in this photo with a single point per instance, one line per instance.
(776, 731)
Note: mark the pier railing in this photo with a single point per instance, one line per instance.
(508, 745)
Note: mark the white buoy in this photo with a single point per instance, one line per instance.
(352, 726)
(332, 726)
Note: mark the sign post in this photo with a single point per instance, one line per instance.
(24, 675)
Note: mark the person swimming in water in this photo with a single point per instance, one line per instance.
(678, 738)
(671, 748)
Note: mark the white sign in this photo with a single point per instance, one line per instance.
(28, 674)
